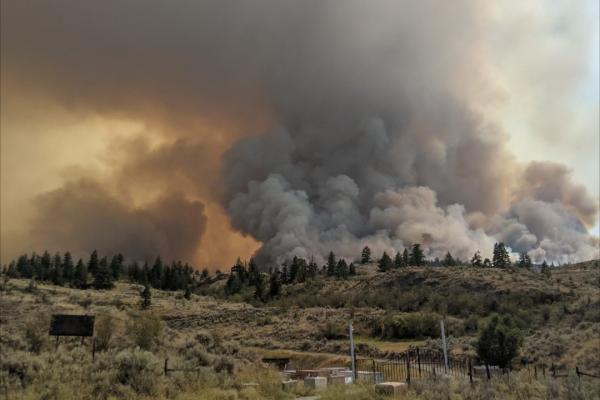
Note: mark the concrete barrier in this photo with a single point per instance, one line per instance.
(392, 388)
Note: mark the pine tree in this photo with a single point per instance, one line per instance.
(116, 265)
(294, 268)
(93, 263)
(233, 284)
(187, 294)
(331, 264)
(45, 266)
(385, 262)
(204, 275)
(524, 260)
(261, 290)
(352, 269)
(253, 273)
(417, 258)
(157, 274)
(103, 279)
(80, 276)
(312, 270)
(285, 276)
(275, 284)
(68, 267)
(365, 255)
(476, 260)
(398, 263)
(449, 260)
(341, 270)
(546, 270)
(500, 257)
(146, 297)
(405, 258)
(56, 274)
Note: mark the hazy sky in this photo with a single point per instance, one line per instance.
(116, 116)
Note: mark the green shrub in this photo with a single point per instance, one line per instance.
(144, 329)
(104, 330)
(499, 341)
(408, 326)
(138, 369)
(36, 331)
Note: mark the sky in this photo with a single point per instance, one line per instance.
(205, 131)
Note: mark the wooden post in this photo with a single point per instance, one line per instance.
(56, 348)
(553, 371)
(577, 372)
(487, 371)
(419, 362)
(544, 371)
(373, 366)
(166, 366)
(535, 371)
(470, 371)
(408, 368)
(93, 349)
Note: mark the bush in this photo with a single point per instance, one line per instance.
(144, 329)
(104, 331)
(408, 326)
(36, 331)
(499, 341)
(137, 369)
(332, 331)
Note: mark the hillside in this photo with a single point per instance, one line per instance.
(392, 311)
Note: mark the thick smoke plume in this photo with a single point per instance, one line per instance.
(315, 125)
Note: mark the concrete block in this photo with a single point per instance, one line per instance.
(392, 388)
(339, 380)
(315, 382)
(289, 385)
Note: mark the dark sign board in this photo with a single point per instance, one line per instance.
(72, 325)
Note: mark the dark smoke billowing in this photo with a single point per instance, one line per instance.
(376, 126)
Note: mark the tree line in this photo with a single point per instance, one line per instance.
(100, 272)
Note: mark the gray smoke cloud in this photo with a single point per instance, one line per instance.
(377, 131)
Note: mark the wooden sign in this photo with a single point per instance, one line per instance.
(72, 325)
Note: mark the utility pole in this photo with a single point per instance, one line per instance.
(445, 347)
(352, 352)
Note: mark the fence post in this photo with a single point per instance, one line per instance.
(166, 366)
(408, 368)
(419, 362)
(544, 370)
(553, 371)
(374, 378)
(487, 371)
(93, 349)
(535, 371)
(470, 371)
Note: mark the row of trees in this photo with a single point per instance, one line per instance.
(100, 273)
(416, 257)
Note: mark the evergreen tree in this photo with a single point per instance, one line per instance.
(116, 265)
(67, 267)
(146, 297)
(365, 255)
(546, 270)
(56, 275)
(80, 277)
(405, 258)
(385, 262)
(476, 260)
(487, 263)
(499, 341)
(261, 290)
(417, 257)
(233, 284)
(157, 274)
(352, 269)
(44, 267)
(294, 268)
(341, 269)
(285, 276)
(331, 264)
(398, 263)
(204, 275)
(93, 263)
(312, 270)
(103, 279)
(500, 258)
(524, 260)
(449, 260)
(253, 273)
(187, 294)
(275, 285)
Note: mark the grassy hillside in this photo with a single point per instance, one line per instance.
(391, 311)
